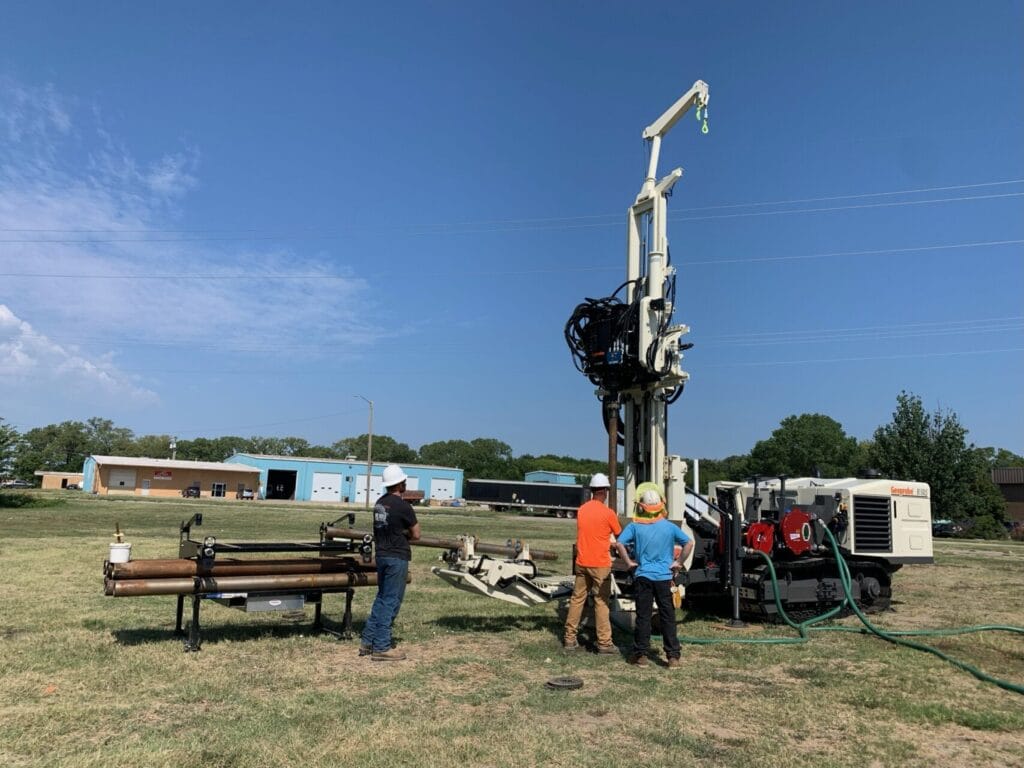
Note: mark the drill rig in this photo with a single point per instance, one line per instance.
(632, 351)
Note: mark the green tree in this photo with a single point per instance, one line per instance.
(212, 449)
(55, 447)
(999, 458)
(386, 449)
(735, 468)
(932, 448)
(278, 446)
(151, 446)
(481, 457)
(322, 452)
(107, 440)
(9, 440)
(807, 445)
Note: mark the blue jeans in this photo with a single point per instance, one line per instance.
(391, 575)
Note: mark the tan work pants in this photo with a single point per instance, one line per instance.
(598, 582)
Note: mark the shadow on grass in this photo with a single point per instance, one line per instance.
(507, 623)
(211, 634)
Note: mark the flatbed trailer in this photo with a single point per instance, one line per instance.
(558, 499)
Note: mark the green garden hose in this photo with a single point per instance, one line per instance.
(892, 636)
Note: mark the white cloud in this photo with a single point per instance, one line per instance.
(169, 175)
(153, 286)
(32, 114)
(27, 355)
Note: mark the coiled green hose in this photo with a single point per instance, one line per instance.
(891, 636)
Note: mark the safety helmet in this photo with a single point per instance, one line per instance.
(393, 475)
(650, 502)
(600, 480)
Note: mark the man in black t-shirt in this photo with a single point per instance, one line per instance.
(394, 526)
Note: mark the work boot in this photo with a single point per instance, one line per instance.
(675, 664)
(391, 655)
(607, 649)
(638, 660)
(570, 647)
(365, 649)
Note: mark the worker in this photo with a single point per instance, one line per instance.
(596, 527)
(654, 540)
(394, 526)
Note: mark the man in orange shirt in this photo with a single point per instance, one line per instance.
(596, 523)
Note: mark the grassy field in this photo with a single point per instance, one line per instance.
(88, 680)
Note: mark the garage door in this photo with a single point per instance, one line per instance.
(376, 488)
(326, 486)
(442, 489)
(122, 480)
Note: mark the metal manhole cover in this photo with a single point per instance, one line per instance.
(564, 683)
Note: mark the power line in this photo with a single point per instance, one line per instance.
(904, 356)
(512, 225)
(276, 373)
(546, 270)
(848, 207)
(537, 220)
(872, 252)
(822, 337)
(297, 420)
(932, 324)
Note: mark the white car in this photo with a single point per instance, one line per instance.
(15, 484)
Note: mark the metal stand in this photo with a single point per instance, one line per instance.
(193, 638)
(345, 631)
(736, 551)
(192, 642)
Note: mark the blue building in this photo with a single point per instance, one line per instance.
(545, 476)
(343, 480)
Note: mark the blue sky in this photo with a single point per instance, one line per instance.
(230, 218)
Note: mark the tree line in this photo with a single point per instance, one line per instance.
(915, 444)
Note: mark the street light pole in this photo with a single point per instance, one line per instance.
(369, 450)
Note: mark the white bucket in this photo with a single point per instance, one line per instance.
(120, 553)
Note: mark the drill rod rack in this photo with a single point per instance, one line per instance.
(255, 584)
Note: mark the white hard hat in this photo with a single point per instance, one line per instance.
(393, 475)
(651, 502)
(600, 480)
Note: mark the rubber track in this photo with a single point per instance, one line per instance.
(764, 609)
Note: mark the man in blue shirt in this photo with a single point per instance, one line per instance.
(653, 540)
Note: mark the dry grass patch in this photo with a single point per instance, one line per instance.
(87, 680)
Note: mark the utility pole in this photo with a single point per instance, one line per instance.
(174, 448)
(369, 450)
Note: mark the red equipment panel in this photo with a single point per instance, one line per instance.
(796, 531)
(760, 536)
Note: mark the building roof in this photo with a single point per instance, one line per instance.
(1008, 476)
(46, 472)
(326, 460)
(133, 461)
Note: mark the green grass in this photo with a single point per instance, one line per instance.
(88, 680)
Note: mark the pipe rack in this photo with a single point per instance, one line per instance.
(255, 584)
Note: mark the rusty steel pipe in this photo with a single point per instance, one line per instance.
(331, 532)
(203, 585)
(183, 567)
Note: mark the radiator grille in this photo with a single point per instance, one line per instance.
(872, 524)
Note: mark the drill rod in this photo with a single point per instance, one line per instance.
(488, 549)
